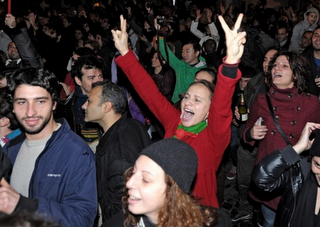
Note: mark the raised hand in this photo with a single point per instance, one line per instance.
(304, 142)
(120, 38)
(10, 21)
(234, 40)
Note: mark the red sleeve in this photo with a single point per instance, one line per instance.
(220, 113)
(147, 89)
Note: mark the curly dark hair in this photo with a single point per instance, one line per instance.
(178, 209)
(300, 68)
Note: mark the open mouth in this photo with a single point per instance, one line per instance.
(187, 115)
(277, 75)
(134, 198)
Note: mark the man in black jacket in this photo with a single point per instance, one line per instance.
(312, 54)
(119, 147)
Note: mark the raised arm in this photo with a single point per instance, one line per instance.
(27, 51)
(140, 79)
(271, 172)
(220, 114)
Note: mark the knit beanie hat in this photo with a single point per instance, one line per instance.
(315, 148)
(176, 158)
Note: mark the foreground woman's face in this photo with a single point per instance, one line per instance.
(195, 105)
(146, 188)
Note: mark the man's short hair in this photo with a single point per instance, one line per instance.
(209, 47)
(114, 94)
(196, 45)
(88, 62)
(37, 77)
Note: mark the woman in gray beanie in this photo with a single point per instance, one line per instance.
(289, 171)
(158, 187)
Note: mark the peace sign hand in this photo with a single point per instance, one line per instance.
(120, 38)
(234, 40)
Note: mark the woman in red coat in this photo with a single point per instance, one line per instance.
(205, 118)
(292, 107)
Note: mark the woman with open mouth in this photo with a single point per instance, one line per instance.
(204, 119)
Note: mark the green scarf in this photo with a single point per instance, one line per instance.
(191, 131)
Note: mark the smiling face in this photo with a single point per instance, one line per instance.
(33, 108)
(155, 61)
(315, 167)
(195, 105)
(189, 55)
(316, 39)
(282, 75)
(146, 188)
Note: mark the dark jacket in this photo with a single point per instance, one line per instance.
(293, 111)
(28, 53)
(117, 221)
(281, 171)
(117, 151)
(5, 165)
(63, 182)
(315, 71)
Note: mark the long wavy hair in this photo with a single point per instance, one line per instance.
(179, 209)
(299, 66)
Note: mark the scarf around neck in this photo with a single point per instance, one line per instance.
(192, 131)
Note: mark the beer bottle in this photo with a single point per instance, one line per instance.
(243, 110)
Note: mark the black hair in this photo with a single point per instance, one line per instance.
(34, 77)
(300, 68)
(196, 46)
(81, 51)
(114, 94)
(88, 62)
(211, 72)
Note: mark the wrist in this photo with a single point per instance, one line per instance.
(123, 52)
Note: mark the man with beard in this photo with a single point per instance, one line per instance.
(312, 54)
(53, 172)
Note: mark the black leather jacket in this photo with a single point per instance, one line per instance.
(282, 170)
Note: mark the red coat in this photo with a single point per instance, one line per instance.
(211, 142)
(293, 111)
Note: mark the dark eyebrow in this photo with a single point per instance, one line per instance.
(37, 98)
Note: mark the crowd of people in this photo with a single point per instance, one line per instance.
(123, 113)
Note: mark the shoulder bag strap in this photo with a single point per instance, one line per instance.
(275, 121)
